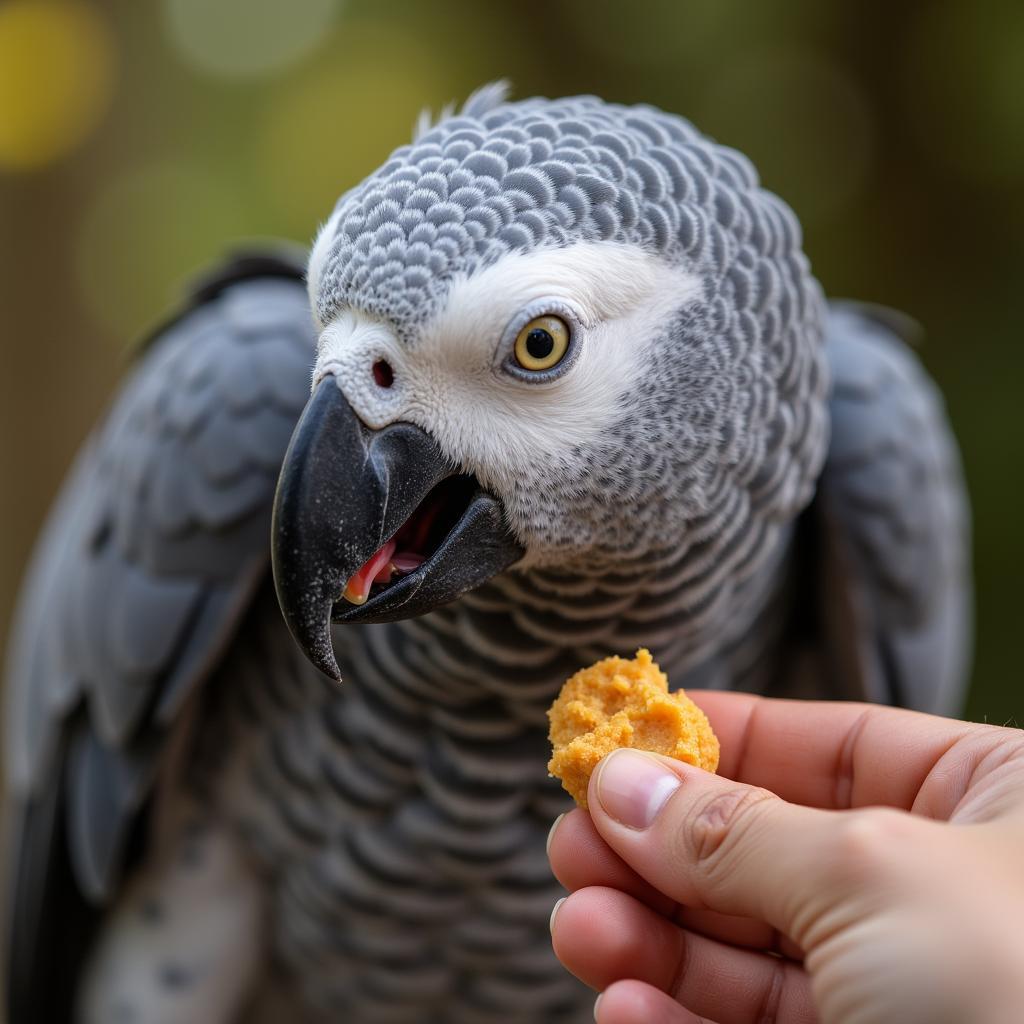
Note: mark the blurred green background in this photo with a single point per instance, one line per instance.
(138, 141)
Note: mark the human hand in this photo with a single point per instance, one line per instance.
(802, 890)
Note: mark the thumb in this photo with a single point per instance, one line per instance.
(707, 842)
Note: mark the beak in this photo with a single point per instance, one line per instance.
(348, 498)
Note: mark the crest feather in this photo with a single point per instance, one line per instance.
(483, 100)
(479, 102)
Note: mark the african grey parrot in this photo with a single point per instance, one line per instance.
(574, 391)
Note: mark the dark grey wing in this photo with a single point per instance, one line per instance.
(890, 525)
(148, 560)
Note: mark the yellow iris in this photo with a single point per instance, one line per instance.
(542, 343)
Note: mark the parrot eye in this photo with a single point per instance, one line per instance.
(542, 343)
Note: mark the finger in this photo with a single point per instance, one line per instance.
(710, 843)
(581, 858)
(603, 936)
(837, 754)
(633, 1002)
(737, 931)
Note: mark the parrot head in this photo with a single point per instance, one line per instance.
(561, 335)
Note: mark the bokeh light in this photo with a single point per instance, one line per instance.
(895, 131)
(146, 232)
(320, 136)
(56, 73)
(246, 37)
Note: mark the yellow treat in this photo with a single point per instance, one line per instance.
(622, 703)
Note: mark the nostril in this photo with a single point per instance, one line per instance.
(383, 374)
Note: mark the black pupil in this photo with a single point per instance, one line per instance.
(539, 343)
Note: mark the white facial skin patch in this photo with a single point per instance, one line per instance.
(452, 380)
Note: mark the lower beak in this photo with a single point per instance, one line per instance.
(347, 497)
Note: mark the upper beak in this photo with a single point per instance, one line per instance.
(343, 493)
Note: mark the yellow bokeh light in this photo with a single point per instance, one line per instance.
(333, 123)
(56, 74)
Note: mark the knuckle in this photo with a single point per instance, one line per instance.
(868, 842)
(721, 821)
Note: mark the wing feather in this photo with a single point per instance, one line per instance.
(148, 561)
(892, 525)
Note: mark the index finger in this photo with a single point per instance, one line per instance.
(835, 754)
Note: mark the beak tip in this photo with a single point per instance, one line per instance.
(322, 656)
(332, 671)
(320, 651)
(308, 619)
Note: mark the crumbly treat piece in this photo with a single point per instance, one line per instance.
(622, 703)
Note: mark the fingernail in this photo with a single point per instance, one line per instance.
(633, 787)
(554, 910)
(597, 1003)
(551, 833)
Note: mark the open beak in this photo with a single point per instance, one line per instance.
(374, 525)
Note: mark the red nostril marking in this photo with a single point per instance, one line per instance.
(383, 374)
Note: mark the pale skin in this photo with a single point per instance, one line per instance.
(850, 864)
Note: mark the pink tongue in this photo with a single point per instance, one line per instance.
(358, 587)
(379, 567)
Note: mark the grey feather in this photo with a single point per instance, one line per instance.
(106, 784)
(146, 566)
(398, 821)
(893, 522)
